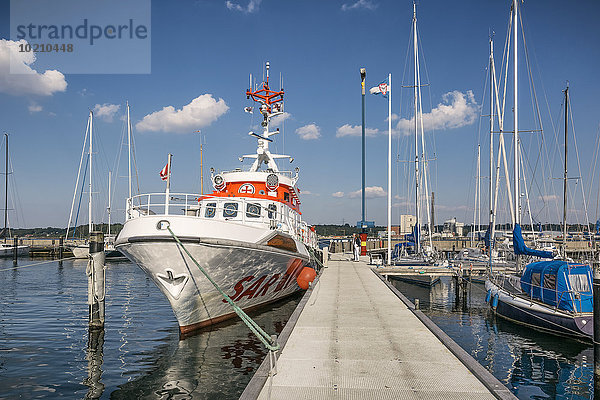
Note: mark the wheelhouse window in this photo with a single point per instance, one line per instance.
(253, 210)
(230, 210)
(272, 211)
(286, 196)
(210, 210)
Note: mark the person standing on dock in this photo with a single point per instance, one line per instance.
(356, 244)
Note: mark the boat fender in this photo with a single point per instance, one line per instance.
(495, 301)
(306, 276)
(488, 296)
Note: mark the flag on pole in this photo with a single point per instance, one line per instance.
(164, 173)
(383, 88)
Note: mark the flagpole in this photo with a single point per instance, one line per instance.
(168, 185)
(389, 238)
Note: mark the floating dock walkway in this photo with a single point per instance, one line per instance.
(353, 336)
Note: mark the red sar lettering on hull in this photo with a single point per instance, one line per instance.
(250, 287)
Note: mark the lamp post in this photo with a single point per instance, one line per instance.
(363, 231)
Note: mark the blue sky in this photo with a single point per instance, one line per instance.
(204, 50)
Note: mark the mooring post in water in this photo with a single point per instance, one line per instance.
(596, 294)
(15, 248)
(60, 250)
(95, 273)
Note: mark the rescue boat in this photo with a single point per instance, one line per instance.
(248, 234)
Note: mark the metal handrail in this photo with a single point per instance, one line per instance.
(284, 218)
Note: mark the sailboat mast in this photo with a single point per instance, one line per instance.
(516, 124)
(417, 222)
(565, 172)
(109, 179)
(90, 223)
(516, 115)
(491, 185)
(6, 187)
(129, 148)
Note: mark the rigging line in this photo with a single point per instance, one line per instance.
(534, 100)
(77, 179)
(80, 196)
(587, 220)
(591, 171)
(17, 196)
(137, 180)
(598, 192)
(505, 64)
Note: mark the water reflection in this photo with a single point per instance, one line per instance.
(47, 351)
(94, 357)
(213, 364)
(534, 365)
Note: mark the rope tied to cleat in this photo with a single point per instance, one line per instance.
(270, 342)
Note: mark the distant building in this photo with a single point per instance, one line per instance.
(407, 223)
(453, 228)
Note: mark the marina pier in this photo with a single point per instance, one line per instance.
(354, 336)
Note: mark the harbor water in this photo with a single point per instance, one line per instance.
(46, 351)
(532, 364)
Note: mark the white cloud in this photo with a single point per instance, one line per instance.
(371, 192)
(106, 111)
(33, 108)
(18, 78)
(369, 5)
(457, 109)
(394, 117)
(278, 120)
(354, 130)
(309, 132)
(200, 112)
(338, 194)
(252, 6)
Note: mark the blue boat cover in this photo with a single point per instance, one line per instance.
(566, 286)
(486, 238)
(520, 248)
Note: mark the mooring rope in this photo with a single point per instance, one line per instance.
(267, 340)
(314, 256)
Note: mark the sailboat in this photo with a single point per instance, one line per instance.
(419, 254)
(7, 249)
(80, 248)
(553, 296)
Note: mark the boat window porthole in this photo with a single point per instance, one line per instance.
(261, 192)
(230, 210)
(210, 210)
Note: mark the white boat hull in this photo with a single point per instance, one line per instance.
(8, 251)
(252, 274)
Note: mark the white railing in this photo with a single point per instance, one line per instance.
(269, 213)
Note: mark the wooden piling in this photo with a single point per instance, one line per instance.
(96, 277)
(15, 250)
